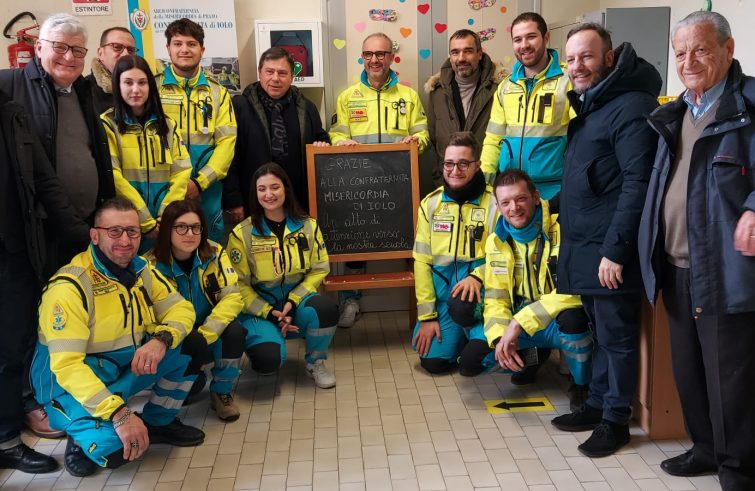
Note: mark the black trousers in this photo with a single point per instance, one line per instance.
(19, 293)
(713, 359)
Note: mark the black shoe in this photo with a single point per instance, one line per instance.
(686, 465)
(577, 396)
(583, 419)
(26, 459)
(76, 462)
(175, 433)
(605, 440)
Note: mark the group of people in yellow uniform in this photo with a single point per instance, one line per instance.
(113, 323)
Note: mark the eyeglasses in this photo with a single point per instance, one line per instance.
(461, 164)
(117, 232)
(380, 55)
(183, 229)
(62, 48)
(118, 48)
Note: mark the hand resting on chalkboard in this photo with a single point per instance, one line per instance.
(320, 144)
(347, 143)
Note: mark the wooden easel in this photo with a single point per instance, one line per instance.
(367, 281)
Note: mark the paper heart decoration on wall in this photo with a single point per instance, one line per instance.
(339, 43)
(405, 31)
(423, 8)
(360, 26)
(424, 53)
(440, 27)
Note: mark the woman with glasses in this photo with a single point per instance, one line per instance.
(281, 259)
(203, 274)
(151, 166)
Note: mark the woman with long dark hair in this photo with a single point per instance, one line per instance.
(151, 167)
(203, 274)
(281, 259)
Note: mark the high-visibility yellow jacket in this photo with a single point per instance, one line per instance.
(202, 109)
(86, 313)
(527, 126)
(449, 246)
(145, 171)
(212, 287)
(270, 272)
(384, 115)
(519, 286)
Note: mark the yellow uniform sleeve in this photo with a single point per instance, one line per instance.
(63, 324)
(423, 263)
(123, 188)
(225, 142)
(418, 124)
(339, 131)
(172, 311)
(499, 285)
(253, 303)
(180, 172)
(319, 267)
(537, 315)
(494, 133)
(230, 303)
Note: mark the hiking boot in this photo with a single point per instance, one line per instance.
(319, 372)
(223, 404)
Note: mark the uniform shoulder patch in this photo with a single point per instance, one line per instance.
(235, 256)
(59, 317)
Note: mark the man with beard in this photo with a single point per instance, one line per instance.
(608, 160)
(455, 217)
(377, 109)
(461, 94)
(527, 128)
(202, 110)
(115, 43)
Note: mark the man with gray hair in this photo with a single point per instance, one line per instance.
(59, 103)
(697, 242)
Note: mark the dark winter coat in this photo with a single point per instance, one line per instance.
(609, 156)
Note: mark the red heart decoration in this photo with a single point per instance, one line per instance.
(440, 27)
(423, 8)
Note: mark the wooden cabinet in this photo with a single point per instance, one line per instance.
(657, 407)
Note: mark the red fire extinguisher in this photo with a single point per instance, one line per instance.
(22, 51)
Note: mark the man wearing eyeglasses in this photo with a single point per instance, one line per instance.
(453, 223)
(377, 109)
(206, 122)
(58, 102)
(110, 326)
(115, 43)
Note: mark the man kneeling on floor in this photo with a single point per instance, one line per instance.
(522, 309)
(110, 325)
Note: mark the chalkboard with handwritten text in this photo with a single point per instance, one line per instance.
(365, 199)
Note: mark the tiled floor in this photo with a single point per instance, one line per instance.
(387, 425)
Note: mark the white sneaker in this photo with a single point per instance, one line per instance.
(349, 313)
(319, 372)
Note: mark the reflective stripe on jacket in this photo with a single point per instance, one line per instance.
(86, 313)
(387, 115)
(211, 287)
(449, 246)
(202, 109)
(517, 285)
(270, 272)
(528, 121)
(145, 172)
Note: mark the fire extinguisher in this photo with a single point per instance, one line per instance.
(22, 51)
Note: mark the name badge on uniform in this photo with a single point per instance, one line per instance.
(443, 226)
(174, 100)
(478, 215)
(357, 114)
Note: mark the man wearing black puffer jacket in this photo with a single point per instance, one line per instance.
(608, 160)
